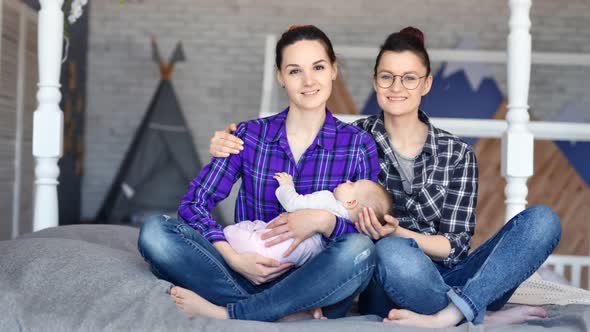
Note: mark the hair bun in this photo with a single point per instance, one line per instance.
(411, 31)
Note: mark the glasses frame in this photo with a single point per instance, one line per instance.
(401, 78)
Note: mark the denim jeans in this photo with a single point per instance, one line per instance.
(407, 278)
(331, 280)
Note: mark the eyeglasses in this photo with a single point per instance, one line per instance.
(386, 79)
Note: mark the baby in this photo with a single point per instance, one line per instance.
(346, 201)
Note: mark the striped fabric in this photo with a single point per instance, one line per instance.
(444, 191)
(339, 152)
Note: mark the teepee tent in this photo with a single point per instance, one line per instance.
(161, 160)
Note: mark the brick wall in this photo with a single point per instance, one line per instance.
(224, 45)
(10, 60)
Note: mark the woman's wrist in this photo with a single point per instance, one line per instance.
(401, 232)
(226, 251)
(327, 224)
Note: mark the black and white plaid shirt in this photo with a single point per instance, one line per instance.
(444, 190)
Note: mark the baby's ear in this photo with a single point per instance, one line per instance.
(351, 204)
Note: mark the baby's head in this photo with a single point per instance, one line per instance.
(364, 193)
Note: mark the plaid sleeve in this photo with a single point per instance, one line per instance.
(457, 223)
(213, 184)
(343, 226)
(368, 160)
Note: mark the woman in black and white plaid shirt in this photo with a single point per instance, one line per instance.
(424, 275)
(423, 268)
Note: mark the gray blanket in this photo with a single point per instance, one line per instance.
(91, 278)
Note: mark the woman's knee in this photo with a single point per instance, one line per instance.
(399, 258)
(153, 236)
(543, 223)
(396, 249)
(356, 249)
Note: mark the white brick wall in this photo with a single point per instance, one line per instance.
(224, 44)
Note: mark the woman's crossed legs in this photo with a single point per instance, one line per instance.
(406, 278)
(331, 280)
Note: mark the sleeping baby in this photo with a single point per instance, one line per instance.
(347, 201)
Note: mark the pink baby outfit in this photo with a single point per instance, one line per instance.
(245, 235)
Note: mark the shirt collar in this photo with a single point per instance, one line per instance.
(326, 137)
(430, 144)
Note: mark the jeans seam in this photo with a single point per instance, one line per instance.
(467, 300)
(230, 307)
(212, 260)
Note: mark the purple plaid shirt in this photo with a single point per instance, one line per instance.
(340, 152)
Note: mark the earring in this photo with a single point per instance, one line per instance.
(282, 86)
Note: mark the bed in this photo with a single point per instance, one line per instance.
(91, 277)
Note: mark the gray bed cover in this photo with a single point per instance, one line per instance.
(92, 278)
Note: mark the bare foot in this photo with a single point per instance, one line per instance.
(193, 305)
(410, 318)
(310, 314)
(449, 316)
(515, 315)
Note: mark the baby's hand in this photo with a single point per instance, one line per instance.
(284, 178)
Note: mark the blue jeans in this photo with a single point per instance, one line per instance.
(407, 278)
(330, 280)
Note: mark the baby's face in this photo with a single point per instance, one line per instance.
(345, 191)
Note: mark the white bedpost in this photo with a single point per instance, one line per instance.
(268, 80)
(517, 141)
(48, 118)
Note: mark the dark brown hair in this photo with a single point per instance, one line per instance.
(407, 39)
(297, 33)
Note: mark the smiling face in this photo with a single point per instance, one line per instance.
(397, 100)
(307, 75)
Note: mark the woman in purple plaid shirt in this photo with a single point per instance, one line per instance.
(424, 275)
(320, 152)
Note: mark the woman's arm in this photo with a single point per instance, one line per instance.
(212, 185)
(254, 267)
(456, 225)
(299, 225)
(437, 247)
(457, 222)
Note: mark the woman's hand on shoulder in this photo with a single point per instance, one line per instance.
(257, 268)
(223, 143)
(369, 224)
